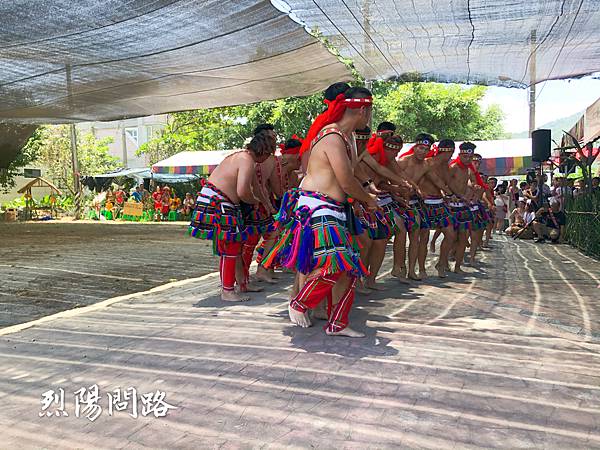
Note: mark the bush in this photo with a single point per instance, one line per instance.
(583, 223)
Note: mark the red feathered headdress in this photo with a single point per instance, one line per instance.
(334, 112)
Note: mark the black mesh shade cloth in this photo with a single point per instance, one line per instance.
(486, 42)
(63, 61)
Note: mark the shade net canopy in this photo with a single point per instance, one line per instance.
(486, 42)
(64, 61)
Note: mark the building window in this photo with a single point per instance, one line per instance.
(153, 131)
(132, 133)
(32, 173)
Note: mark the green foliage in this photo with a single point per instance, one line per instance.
(28, 154)
(583, 223)
(446, 111)
(55, 155)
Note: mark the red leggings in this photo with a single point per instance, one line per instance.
(229, 253)
(318, 288)
(247, 255)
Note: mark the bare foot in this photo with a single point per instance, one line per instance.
(423, 274)
(299, 318)
(400, 273)
(457, 269)
(375, 286)
(320, 312)
(263, 274)
(232, 296)
(250, 288)
(363, 290)
(414, 276)
(441, 269)
(349, 332)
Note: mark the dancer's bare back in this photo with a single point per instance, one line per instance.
(234, 177)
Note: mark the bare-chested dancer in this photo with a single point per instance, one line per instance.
(479, 210)
(258, 218)
(416, 167)
(436, 215)
(390, 220)
(402, 188)
(218, 215)
(318, 241)
(459, 181)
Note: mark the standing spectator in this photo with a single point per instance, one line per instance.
(579, 188)
(501, 203)
(513, 194)
(165, 201)
(137, 195)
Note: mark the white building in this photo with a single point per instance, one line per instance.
(128, 135)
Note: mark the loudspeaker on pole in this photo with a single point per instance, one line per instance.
(540, 145)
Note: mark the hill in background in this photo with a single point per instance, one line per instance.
(557, 126)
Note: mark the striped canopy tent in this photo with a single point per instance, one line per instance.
(191, 163)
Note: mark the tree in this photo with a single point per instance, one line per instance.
(446, 111)
(28, 154)
(54, 153)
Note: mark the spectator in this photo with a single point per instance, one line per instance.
(137, 194)
(188, 204)
(595, 184)
(165, 201)
(516, 218)
(579, 188)
(513, 194)
(523, 186)
(157, 198)
(550, 223)
(501, 203)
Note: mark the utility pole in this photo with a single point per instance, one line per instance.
(74, 159)
(532, 81)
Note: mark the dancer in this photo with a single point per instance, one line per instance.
(416, 167)
(218, 216)
(459, 182)
(258, 218)
(318, 240)
(382, 225)
(436, 215)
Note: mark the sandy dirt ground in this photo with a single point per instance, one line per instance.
(54, 266)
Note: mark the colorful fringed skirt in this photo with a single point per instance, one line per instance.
(480, 220)
(216, 217)
(377, 224)
(413, 215)
(257, 220)
(462, 215)
(436, 214)
(317, 235)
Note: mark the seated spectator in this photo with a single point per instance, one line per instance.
(595, 184)
(550, 223)
(188, 204)
(516, 219)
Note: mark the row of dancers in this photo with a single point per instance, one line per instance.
(327, 206)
